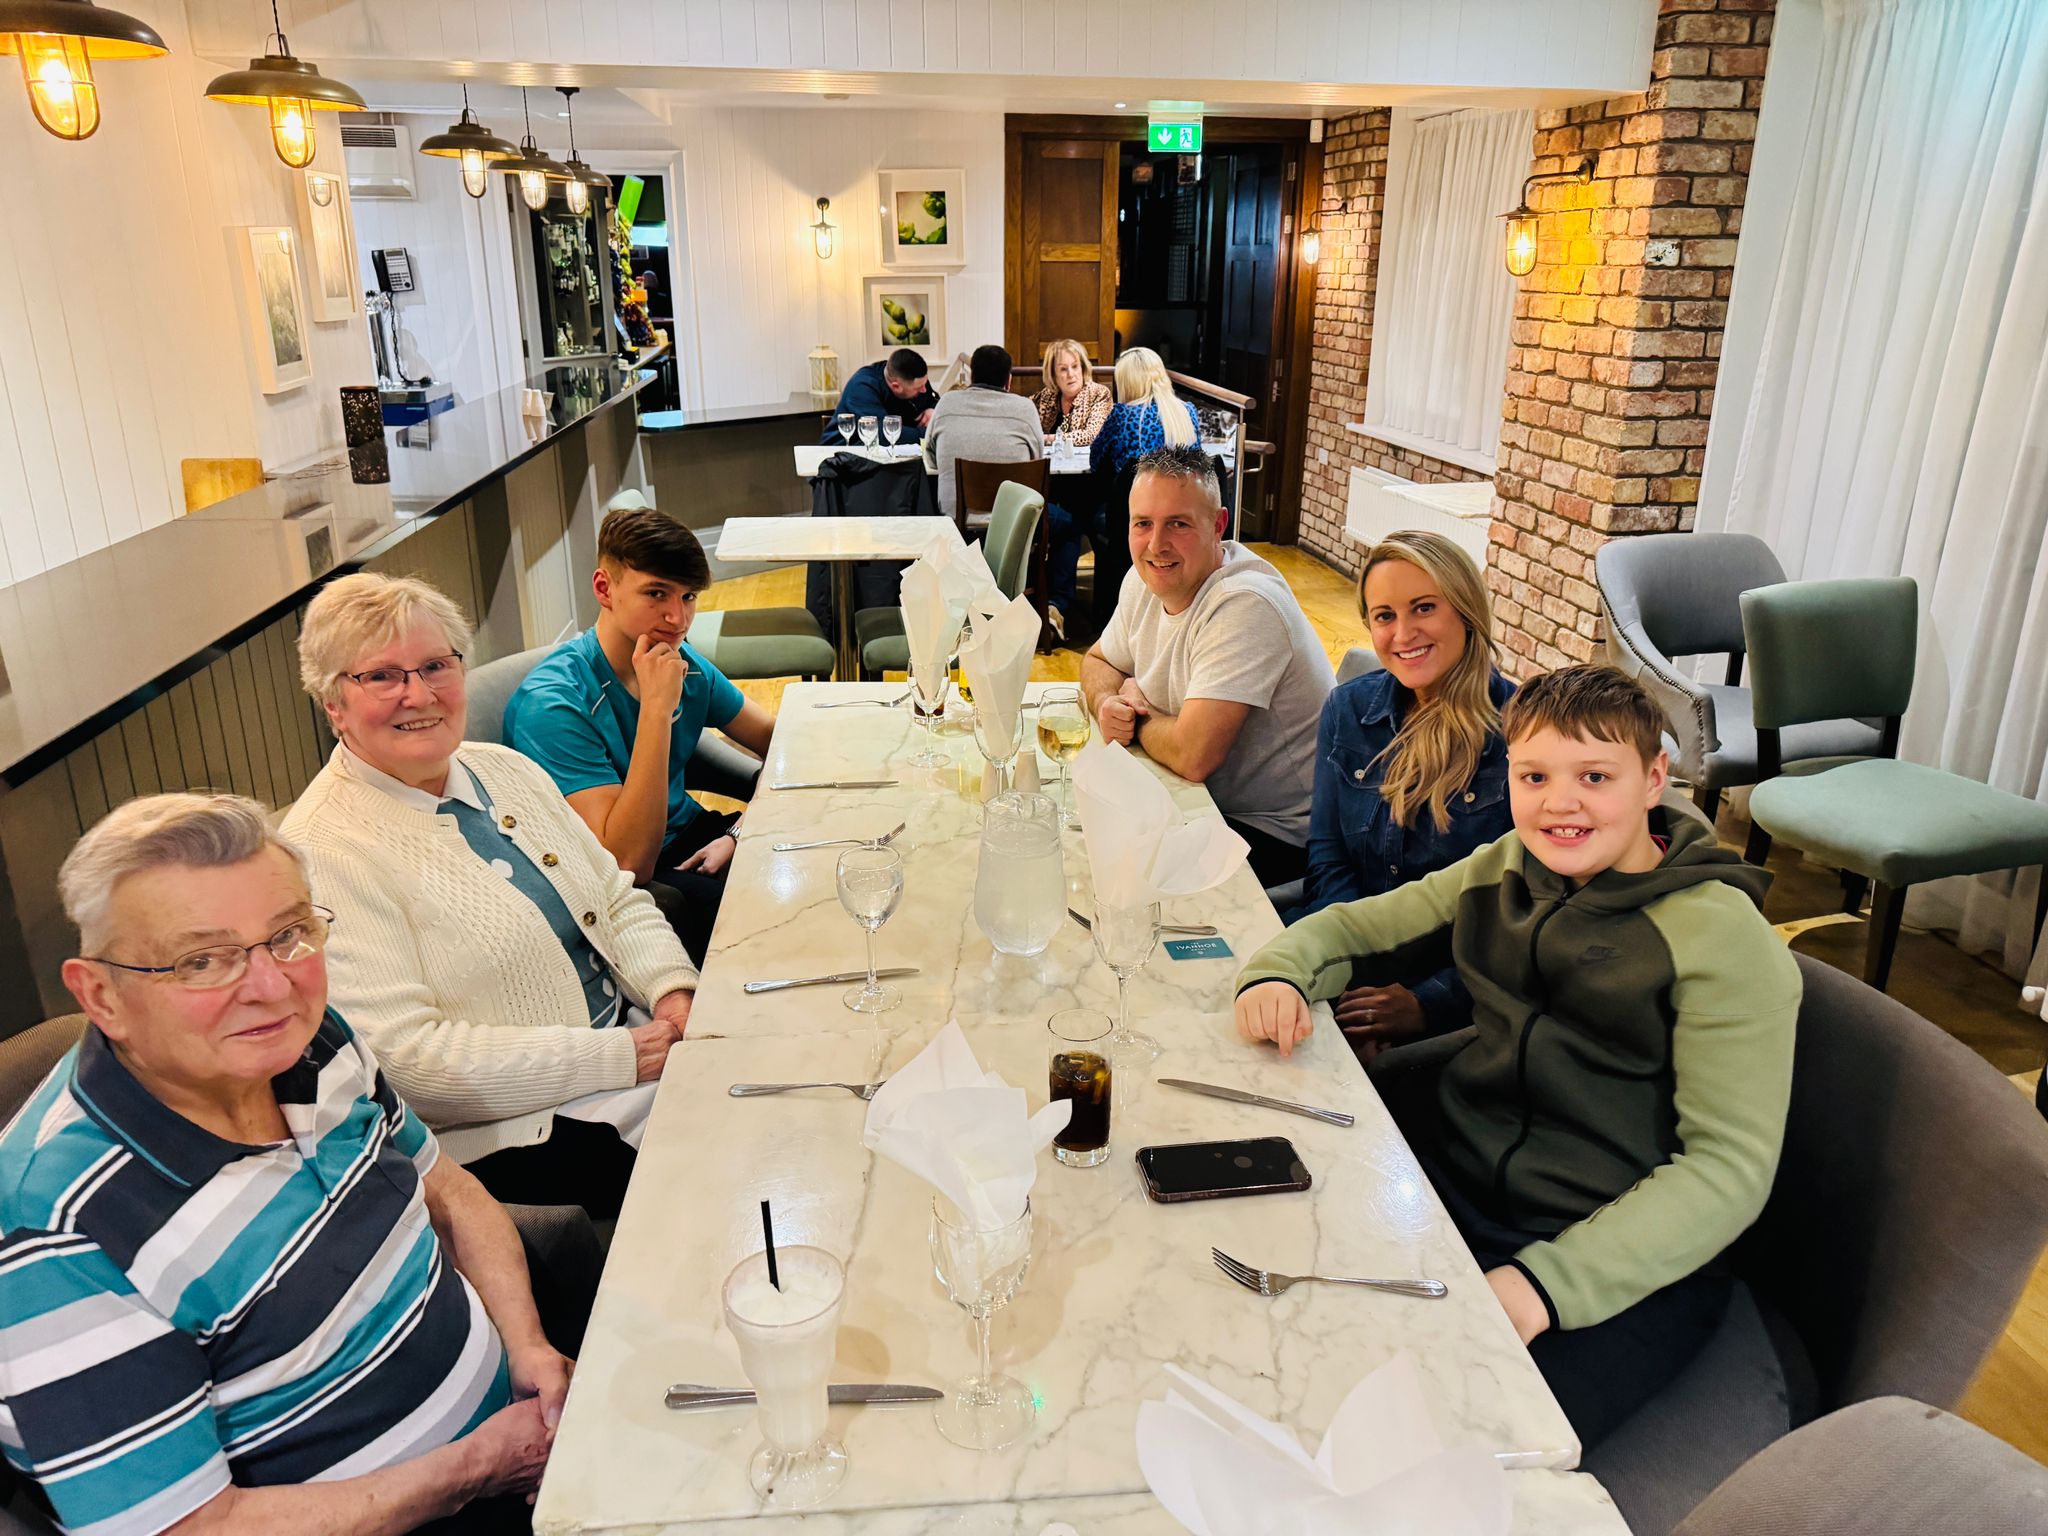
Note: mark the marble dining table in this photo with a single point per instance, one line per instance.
(1118, 1286)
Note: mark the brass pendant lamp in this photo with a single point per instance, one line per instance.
(292, 90)
(57, 41)
(583, 181)
(534, 169)
(474, 145)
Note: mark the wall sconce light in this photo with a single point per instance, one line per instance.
(824, 233)
(320, 189)
(291, 90)
(1521, 222)
(1312, 240)
(470, 142)
(57, 41)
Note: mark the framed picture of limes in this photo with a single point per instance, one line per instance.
(923, 218)
(905, 309)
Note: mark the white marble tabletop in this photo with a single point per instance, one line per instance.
(832, 538)
(1118, 1285)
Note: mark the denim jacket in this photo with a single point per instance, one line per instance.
(1357, 849)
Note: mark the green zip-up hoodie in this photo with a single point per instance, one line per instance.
(1626, 1091)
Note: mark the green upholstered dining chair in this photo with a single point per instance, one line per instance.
(1829, 650)
(1011, 528)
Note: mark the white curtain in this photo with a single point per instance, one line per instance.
(1898, 421)
(1445, 298)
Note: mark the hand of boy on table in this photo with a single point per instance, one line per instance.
(1274, 1011)
(1518, 1298)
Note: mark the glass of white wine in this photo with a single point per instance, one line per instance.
(1062, 733)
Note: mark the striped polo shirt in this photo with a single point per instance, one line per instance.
(178, 1311)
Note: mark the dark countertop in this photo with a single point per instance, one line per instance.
(94, 639)
(798, 404)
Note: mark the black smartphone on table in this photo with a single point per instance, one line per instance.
(1217, 1170)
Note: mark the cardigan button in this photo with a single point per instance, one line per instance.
(551, 861)
(509, 822)
(590, 919)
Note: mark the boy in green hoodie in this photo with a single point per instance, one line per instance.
(1615, 1122)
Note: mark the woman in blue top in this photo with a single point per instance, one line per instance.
(1411, 768)
(1147, 415)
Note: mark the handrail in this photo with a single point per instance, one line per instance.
(1213, 391)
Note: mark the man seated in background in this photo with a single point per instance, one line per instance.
(897, 386)
(982, 423)
(614, 715)
(1209, 664)
(244, 1291)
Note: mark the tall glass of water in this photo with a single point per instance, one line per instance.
(1124, 938)
(868, 427)
(788, 1335)
(1020, 884)
(843, 425)
(892, 428)
(1062, 733)
(871, 889)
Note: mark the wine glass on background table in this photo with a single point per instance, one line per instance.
(1125, 938)
(1062, 733)
(871, 889)
(892, 428)
(843, 425)
(868, 428)
(981, 1268)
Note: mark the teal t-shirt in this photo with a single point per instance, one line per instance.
(576, 719)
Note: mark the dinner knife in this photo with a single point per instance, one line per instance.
(686, 1394)
(838, 784)
(821, 981)
(1239, 1096)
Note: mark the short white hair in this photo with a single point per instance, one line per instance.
(199, 831)
(357, 614)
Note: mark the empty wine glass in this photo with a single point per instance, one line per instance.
(999, 744)
(892, 428)
(1124, 938)
(927, 702)
(868, 427)
(871, 888)
(1062, 733)
(981, 1269)
(843, 424)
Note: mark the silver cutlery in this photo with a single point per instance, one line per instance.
(826, 981)
(1239, 1096)
(755, 1090)
(1185, 930)
(686, 1394)
(883, 841)
(838, 784)
(1267, 1283)
(895, 703)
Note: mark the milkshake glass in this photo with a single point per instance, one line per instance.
(787, 1341)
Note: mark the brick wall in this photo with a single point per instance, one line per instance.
(1347, 274)
(1617, 331)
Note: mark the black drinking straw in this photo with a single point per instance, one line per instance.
(768, 1232)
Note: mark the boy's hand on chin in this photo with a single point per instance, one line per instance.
(1518, 1298)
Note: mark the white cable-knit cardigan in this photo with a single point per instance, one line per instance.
(457, 980)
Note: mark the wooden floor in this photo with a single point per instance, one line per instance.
(1970, 999)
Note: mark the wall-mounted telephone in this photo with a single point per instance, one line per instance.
(394, 269)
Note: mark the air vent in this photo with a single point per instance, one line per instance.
(369, 136)
(380, 163)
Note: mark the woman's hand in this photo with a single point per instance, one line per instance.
(1274, 1011)
(1374, 1018)
(650, 1048)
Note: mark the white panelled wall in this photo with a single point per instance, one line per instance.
(123, 345)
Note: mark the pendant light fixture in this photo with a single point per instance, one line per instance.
(57, 41)
(534, 169)
(583, 181)
(474, 145)
(292, 90)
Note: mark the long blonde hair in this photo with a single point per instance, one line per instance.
(1141, 375)
(1438, 747)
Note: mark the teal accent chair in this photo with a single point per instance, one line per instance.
(1829, 650)
(1012, 527)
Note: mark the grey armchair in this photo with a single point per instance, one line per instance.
(1679, 594)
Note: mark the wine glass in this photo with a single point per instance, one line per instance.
(999, 744)
(927, 702)
(843, 424)
(867, 433)
(1124, 938)
(892, 428)
(981, 1269)
(871, 888)
(1062, 733)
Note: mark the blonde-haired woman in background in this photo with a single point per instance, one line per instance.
(1072, 403)
(1148, 414)
(1411, 768)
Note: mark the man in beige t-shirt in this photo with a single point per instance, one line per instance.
(1209, 664)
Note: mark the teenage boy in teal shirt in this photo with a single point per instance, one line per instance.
(1615, 1121)
(614, 715)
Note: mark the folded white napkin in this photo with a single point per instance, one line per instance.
(940, 588)
(1382, 1470)
(1140, 849)
(962, 1130)
(997, 662)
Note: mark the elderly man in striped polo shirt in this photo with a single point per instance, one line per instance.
(239, 1289)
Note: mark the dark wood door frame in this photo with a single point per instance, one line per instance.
(1294, 297)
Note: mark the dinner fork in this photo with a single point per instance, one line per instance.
(883, 841)
(1267, 1283)
(755, 1090)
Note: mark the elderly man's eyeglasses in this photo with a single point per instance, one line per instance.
(439, 673)
(222, 965)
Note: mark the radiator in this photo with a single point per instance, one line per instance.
(1379, 504)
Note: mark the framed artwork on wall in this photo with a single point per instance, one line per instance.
(904, 310)
(274, 308)
(330, 244)
(924, 218)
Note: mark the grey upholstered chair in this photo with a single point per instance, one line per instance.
(1679, 594)
(1886, 1467)
(26, 1059)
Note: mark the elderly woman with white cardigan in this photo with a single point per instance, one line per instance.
(520, 993)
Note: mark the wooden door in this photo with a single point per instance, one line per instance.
(1060, 257)
(1251, 260)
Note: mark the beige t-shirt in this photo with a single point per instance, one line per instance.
(1243, 639)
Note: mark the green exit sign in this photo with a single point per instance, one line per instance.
(1166, 138)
